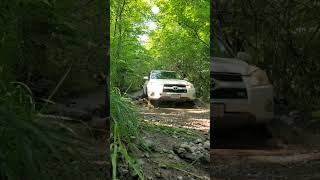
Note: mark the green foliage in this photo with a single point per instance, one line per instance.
(40, 39)
(180, 42)
(125, 126)
(282, 37)
(125, 114)
(187, 133)
(32, 147)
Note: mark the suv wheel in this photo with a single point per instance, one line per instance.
(155, 103)
(145, 93)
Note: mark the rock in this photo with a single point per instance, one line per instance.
(287, 120)
(171, 156)
(176, 158)
(158, 175)
(294, 113)
(193, 151)
(192, 148)
(198, 141)
(147, 155)
(181, 150)
(150, 144)
(149, 178)
(184, 145)
(179, 178)
(207, 145)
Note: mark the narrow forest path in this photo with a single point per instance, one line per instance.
(248, 153)
(82, 115)
(178, 139)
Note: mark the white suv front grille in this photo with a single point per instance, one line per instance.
(231, 92)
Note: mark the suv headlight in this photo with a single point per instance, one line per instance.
(258, 77)
(190, 86)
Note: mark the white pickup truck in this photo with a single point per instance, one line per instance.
(240, 93)
(162, 85)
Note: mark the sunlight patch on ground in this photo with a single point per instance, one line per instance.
(199, 127)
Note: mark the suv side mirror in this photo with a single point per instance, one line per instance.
(186, 79)
(146, 78)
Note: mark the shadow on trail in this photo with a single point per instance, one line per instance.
(180, 105)
(249, 137)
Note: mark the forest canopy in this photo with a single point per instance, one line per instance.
(160, 34)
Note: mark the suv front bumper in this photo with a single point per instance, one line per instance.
(190, 95)
(257, 108)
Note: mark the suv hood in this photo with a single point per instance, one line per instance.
(169, 81)
(229, 65)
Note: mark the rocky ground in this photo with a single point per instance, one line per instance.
(83, 116)
(178, 139)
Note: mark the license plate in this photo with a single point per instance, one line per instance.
(218, 110)
(175, 96)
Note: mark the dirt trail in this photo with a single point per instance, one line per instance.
(89, 126)
(167, 129)
(260, 164)
(195, 119)
(250, 154)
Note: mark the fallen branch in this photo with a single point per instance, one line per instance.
(56, 117)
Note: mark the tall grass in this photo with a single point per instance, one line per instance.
(125, 125)
(32, 147)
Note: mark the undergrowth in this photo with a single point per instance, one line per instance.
(32, 147)
(125, 125)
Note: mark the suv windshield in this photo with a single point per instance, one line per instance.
(164, 75)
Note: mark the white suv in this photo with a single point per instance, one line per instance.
(162, 85)
(240, 93)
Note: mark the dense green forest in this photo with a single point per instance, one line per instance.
(282, 37)
(161, 34)
(49, 50)
(41, 40)
(147, 35)
(54, 50)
